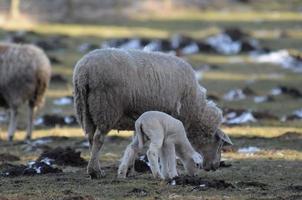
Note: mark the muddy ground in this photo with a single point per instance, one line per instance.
(266, 159)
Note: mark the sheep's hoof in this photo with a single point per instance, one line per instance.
(96, 174)
(10, 138)
(28, 138)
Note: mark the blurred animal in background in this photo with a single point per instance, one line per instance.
(113, 87)
(24, 76)
(168, 138)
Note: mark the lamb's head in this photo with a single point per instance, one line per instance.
(193, 163)
(210, 147)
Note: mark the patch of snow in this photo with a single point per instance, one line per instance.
(276, 91)
(249, 149)
(298, 113)
(39, 121)
(190, 49)
(234, 95)
(260, 99)
(282, 58)
(224, 44)
(131, 44)
(233, 118)
(152, 46)
(63, 101)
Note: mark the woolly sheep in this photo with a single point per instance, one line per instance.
(167, 139)
(24, 76)
(113, 87)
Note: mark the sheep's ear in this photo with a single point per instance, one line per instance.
(224, 137)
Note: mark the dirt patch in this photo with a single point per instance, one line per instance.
(87, 197)
(138, 192)
(64, 156)
(6, 157)
(142, 164)
(9, 170)
(252, 184)
(290, 136)
(201, 183)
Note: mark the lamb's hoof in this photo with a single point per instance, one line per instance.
(28, 138)
(96, 174)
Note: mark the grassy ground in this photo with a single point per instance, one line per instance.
(277, 168)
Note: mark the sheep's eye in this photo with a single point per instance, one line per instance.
(197, 165)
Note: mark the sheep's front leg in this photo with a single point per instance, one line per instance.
(128, 159)
(152, 155)
(94, 169)
(168, 161)
(30, 122)
(12, 123)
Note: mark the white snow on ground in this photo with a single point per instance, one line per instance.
(63, 101)
(224, 44)
(234, 95)
(282, 58)
(249, 149)
(233, 118)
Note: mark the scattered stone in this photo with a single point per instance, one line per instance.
(291, 91)
(86, 197)
(63, 156)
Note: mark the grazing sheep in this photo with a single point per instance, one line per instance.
(113, 87)
(167, 139)
(24, 76)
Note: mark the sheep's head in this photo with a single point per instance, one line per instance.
(210, 147)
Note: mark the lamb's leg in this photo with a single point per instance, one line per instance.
(94, 169)
(12, 123)
(128, 158)
(30, 121)
(156, 138)
(168, 161)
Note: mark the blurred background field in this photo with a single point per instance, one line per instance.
(255, 77)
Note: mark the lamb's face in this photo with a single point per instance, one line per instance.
(194, 163)
(210, 147)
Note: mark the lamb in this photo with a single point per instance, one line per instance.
(24, 76)
(167, 139)
(113, 87)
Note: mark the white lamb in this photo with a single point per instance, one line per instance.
(167, 139)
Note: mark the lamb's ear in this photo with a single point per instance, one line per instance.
(224, 137)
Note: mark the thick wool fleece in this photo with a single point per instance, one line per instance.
(113, 87)
(24, 75)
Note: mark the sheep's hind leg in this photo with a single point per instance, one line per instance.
(94, 169)
(30, 121)
(12, 123)
(128, 160)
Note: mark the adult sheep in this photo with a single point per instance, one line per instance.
(24, 76)
(113, 87)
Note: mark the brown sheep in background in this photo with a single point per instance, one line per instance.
(24, 76)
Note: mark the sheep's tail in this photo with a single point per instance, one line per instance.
(81, 93)
(139, 134)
